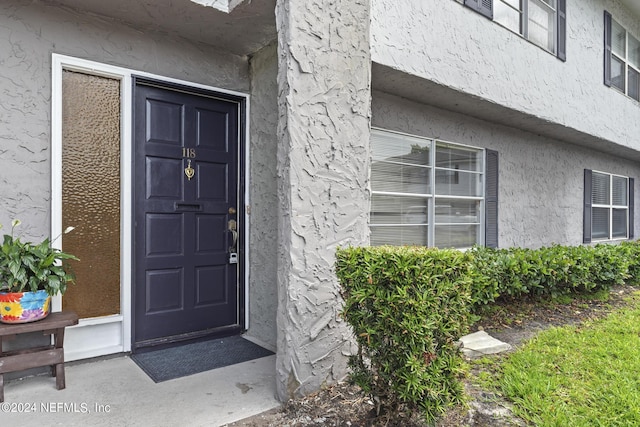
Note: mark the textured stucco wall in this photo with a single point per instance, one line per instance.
(29, 33)
(323, 154)
(453, 46)
(263, 220)
(541, 180)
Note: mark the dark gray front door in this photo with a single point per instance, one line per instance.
(185, 214)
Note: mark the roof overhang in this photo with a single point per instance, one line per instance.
(633, 6)
(240, 27)
(389, 80)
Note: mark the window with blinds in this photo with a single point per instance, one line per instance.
(425, 192)
(609, 206)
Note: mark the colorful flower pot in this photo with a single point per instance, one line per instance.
(24, 307)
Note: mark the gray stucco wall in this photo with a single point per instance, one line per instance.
(29, 33)
(323, 134)
(453, 46)
(263, 219)
(540, 179)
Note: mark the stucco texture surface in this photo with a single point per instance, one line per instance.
(263, 218)
(541, 180)
(29, 33)
(449, 44)
(324, 106)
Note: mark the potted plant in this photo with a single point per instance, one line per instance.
(30, 274)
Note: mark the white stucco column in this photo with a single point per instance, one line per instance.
(324, 97)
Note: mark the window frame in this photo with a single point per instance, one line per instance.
(487, 9)
(589, 207)
(524, 18)
(431, 194)
(609, 56)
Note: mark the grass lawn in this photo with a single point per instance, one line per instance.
(586, 375)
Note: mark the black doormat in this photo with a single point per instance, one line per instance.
(196, 357)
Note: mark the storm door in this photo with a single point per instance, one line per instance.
(186, 214)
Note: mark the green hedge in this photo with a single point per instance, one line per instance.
(551, 271)
(407, 307)
(631, 251)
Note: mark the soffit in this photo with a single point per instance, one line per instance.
(411, 87)
(633, 6)
(246, 29)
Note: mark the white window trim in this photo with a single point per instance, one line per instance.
(611, 207)
(624, 60)
(431, 197)
(524, 24)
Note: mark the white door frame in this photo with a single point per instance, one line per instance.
(112, 334)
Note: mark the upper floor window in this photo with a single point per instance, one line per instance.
(622, 58)
(542, 22)
(431, 193)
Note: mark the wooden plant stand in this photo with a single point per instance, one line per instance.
(51, 355)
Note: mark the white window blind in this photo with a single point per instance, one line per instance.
(610, 206)
(425, 192)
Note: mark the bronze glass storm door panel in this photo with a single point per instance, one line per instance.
(186, 168)
(91, 191)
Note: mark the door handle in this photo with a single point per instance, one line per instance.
(233, 228)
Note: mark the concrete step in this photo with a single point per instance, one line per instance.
(480, 343)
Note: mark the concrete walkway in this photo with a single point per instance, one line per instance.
(116, 392)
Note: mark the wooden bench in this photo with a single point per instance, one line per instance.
(51, 355)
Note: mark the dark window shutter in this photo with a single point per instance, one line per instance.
(607, 48)
(562, 30)
(485, 7)
(491, 199)
(631, 202)
(586, 221)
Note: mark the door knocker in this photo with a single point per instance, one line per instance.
(189, 171)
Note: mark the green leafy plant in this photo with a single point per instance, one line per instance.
(406, 306)
(553, 271)
(27, 266)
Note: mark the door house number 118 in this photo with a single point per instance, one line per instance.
(189, 153)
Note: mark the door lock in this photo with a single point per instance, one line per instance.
(232, 226)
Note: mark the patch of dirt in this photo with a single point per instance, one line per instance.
(513, 322)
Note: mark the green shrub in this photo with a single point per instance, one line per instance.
(631, 251)
(407, 306)
(551, 271)
(486, 275)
